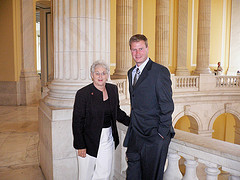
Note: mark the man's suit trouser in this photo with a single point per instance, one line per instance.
(146, 157)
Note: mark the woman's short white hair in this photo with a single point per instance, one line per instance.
(99, 63)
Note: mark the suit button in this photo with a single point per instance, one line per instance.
(133, 95)
(132, 108)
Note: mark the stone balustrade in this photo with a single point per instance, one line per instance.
(228, 81)
(203, 157)
(185, 83)
(214, 154)
(204, 82)
(122, 88)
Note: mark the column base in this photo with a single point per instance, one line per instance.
(118, 76)
(181, 71)
(24, 92)
(30, 89)
(199, 71)
(9, 93)
(57, 156)
(61, 94)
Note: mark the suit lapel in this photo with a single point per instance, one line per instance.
(144, 74)
(130, 78)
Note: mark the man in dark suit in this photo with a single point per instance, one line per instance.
(150, 130)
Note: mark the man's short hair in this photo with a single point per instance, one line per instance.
(137, 38)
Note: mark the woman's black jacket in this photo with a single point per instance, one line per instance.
(88, 117)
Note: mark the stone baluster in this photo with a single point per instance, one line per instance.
(211, 170)
(173, 171)
(191, 166)
(234, 175)
(212, 173)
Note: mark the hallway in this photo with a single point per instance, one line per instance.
(19, 143)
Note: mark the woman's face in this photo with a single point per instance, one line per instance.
(99, 76)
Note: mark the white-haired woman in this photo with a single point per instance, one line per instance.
(95, 112)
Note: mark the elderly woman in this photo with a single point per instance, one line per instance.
(95, 112)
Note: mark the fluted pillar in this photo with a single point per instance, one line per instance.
(81, 36)
(162, 32)
(203, 39)
(124, 32)
(182, 38)
(30, 90)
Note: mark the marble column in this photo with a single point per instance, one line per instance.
(203, 39)
(162, 32)
(81, 36)
(182, 38)
(234, 63)
(30, 90)
(124, 33)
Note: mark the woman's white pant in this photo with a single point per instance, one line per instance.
(91, 168)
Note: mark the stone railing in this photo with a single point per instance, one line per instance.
(213, 155)
(204, 82)
(203, 157)
(185, 83)
(122, 88)
(228, 81)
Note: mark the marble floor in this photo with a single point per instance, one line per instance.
(19, 143)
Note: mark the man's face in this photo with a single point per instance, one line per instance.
(139, 52)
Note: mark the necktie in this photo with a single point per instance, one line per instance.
(136, 76)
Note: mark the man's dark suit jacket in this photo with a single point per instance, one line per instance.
(151, 102)
(88, 117)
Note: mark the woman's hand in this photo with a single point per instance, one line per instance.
(82, 153)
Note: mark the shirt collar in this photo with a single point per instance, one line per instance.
(142, 66)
